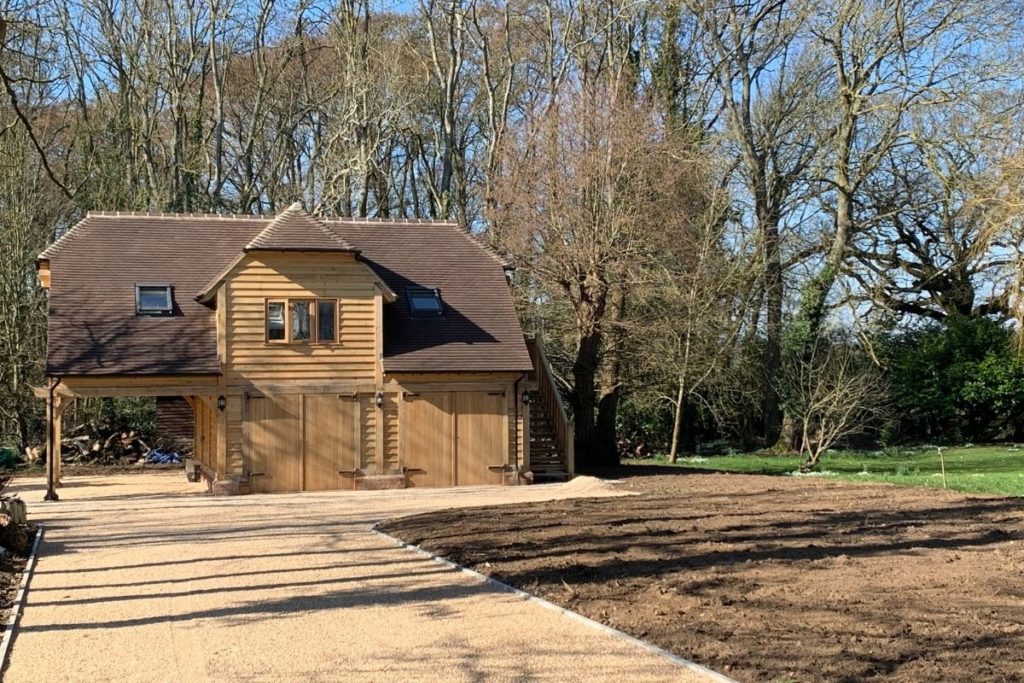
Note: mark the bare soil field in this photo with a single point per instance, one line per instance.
(770, 578)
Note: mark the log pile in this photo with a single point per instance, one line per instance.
(14, 530)
(101, 444)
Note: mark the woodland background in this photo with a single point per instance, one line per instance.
(783, 224)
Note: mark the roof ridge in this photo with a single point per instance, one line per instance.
(173, 214)
(385, 221)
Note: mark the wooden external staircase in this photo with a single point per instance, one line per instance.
(551, 432)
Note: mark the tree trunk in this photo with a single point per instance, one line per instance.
(677, 422)
(606, 445)
(773, 286)
(789, 436)
(584, 397)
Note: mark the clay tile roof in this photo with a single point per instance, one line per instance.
(93, 329)
(479, 330)
(295, 230)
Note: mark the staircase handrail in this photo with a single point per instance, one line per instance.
(565, 428)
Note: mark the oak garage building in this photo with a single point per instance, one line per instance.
(315, 354)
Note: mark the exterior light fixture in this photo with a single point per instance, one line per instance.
(222, 403)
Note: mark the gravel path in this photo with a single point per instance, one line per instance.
(145, 578)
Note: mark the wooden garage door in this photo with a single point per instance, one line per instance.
(427, 446)
(482, 436)
(275, 443)
(332, 441)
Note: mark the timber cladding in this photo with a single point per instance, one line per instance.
(174, 421)
(294, 342)
(260, 277)
(317, 442)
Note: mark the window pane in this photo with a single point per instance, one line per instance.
(424, 301)
(300, 321)
(154, 299)
(325, 314)
(275, 321)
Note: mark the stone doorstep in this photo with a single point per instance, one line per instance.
(380, 482)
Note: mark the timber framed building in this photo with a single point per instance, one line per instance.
(315, 354)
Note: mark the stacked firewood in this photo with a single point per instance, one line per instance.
(102, 444)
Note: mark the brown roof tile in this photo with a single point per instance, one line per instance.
(93, 329)
(296, 230)
(479, 330)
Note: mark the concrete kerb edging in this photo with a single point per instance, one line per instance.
(19, 600)
(504, 587)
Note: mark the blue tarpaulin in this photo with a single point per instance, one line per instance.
(159, 457)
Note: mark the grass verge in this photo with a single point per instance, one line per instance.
(973, 469)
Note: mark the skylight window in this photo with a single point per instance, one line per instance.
(424, 301)
(153, 299)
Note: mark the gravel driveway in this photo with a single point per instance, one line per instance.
(145, 578)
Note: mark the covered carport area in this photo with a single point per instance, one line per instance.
(203, 393)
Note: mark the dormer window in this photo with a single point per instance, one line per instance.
(424, 302)
(302, 321)
(153, 299)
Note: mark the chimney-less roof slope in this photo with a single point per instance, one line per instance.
(478, 329)
(93, 328)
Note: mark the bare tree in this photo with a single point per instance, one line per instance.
(832, 392)
(770, 88)
(577, 215)
(695, 313)
(889, 61)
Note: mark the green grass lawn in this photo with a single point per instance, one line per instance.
(977, 469)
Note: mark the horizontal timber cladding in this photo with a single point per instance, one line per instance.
(251, 360)
(174, 422)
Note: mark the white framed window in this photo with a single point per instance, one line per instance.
(424, 302)
(153, 299)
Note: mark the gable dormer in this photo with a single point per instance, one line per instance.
(297, 304)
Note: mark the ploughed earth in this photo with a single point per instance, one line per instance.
(769, 578)
(12, 566)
